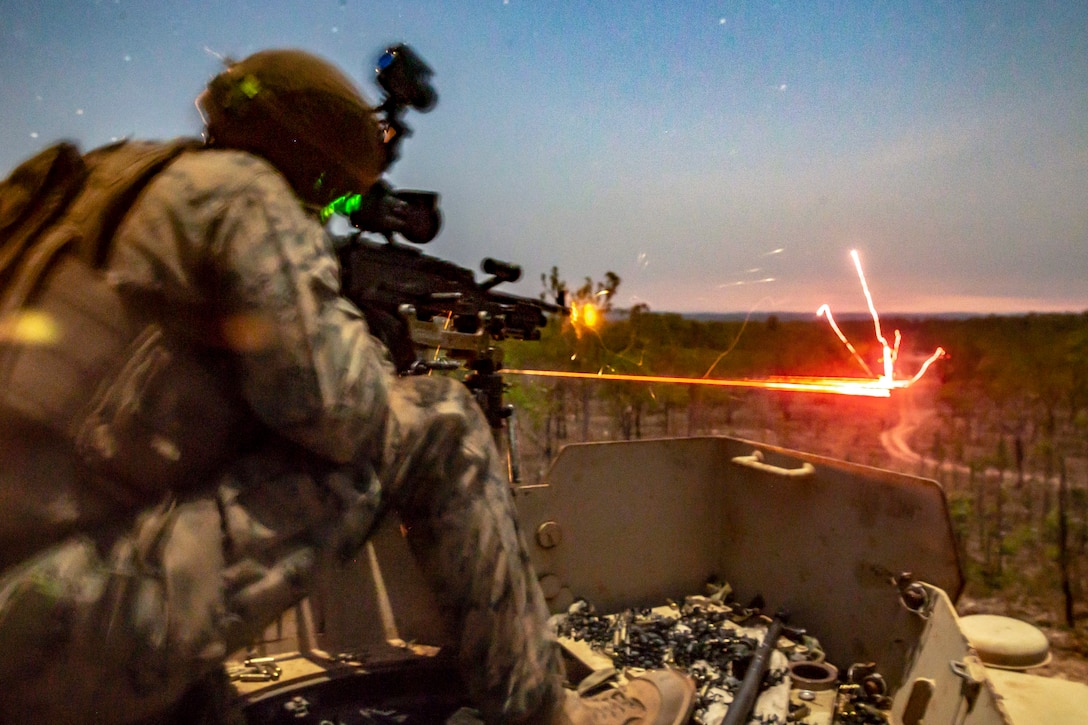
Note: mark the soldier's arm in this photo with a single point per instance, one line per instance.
(309, 367)
(222, 234)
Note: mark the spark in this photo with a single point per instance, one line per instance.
(890, 351)
(447, 324)
(730, 348)
(742, 282)
(937, 355)
(889, 357)
(825, 311)
(584, 316)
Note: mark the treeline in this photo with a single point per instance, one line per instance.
(1010, 445)
(1020, 380)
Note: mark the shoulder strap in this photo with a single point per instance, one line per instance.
(33, 197)
(111, 180)
(116, 176)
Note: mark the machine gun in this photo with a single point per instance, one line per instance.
(430, 313)
(433, 315)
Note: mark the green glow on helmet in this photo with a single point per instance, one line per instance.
(343, 205)
(250, 86)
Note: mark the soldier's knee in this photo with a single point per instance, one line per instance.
(420, 397)
(81, 633)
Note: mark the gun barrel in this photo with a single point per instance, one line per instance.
(745, 699)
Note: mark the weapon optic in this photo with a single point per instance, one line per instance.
(430, 313)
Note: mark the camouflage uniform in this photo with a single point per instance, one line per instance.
(113, 624)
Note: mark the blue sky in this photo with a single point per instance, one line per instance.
(718, 156)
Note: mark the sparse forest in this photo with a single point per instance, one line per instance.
(1001, 423)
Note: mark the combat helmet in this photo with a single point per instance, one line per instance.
(303, 115)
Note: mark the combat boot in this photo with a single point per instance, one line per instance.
(660, 697)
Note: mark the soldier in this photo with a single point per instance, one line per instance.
(240, 423)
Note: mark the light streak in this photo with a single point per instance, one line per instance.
(868, 387)
(889, 356)
(937, 355)
(447, 324)
(825, 311)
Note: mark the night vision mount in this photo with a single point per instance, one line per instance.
(430, 313)
(406, 80)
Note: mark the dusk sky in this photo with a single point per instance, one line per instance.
(717, 156)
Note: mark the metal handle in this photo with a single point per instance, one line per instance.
(973, 673)
(756, 461)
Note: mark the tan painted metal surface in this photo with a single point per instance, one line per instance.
(1033, 700)
(645, 521)
(634, 524)
(945, 666)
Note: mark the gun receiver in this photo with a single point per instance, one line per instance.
(436, 305)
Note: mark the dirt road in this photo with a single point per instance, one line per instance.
(896, 441)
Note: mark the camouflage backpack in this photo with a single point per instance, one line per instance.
(63, 201)
(81, 371)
